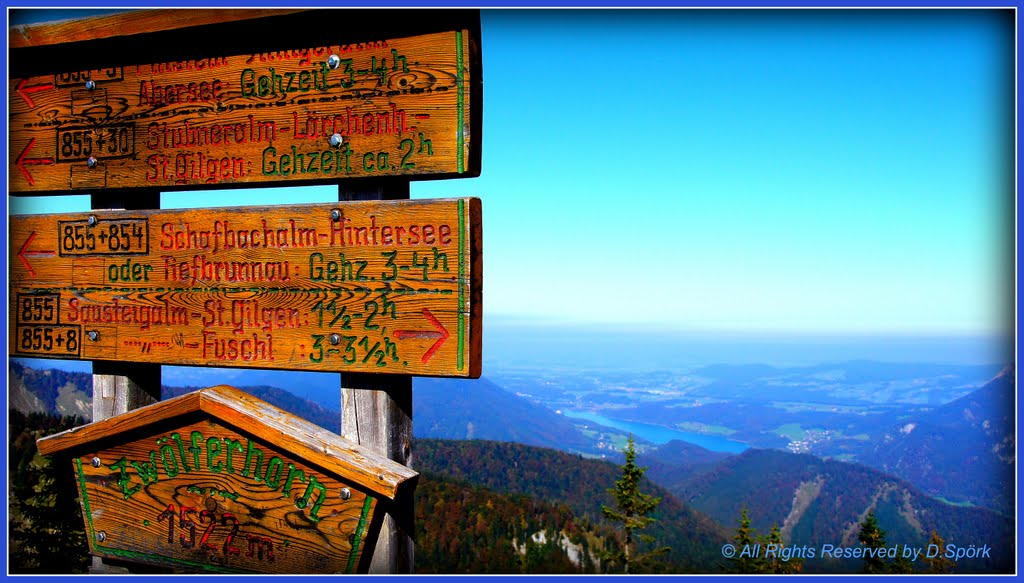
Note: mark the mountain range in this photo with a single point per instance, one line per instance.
(464, 409)
(536, 509)
(816, 502)
(945, 451)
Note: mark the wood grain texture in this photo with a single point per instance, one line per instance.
(128, 23)
(403, 106)
(376, 412)
(208, 498)
(119, 387)
(122, 387)
(387, 287)
(230, 407)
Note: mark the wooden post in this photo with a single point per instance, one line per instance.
(119, 387)
(118, 85)
(376, 412)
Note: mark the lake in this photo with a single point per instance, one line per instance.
(659, 435)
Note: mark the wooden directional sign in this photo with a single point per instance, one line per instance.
(376, 286)
(219, 481)
(286, 114)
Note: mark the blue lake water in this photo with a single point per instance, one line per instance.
(658, 434)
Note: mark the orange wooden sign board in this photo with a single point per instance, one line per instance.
(388, 107)
(375, 286)
(218, 481)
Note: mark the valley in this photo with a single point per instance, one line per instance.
(811, 449)
(806, 409)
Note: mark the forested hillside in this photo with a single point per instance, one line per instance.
(462, 528)
(580, 484)
(461, 409)
(816, 501)
(498, 507)
(308, 410)
(964, 450)
(44, 516)
(53, 391)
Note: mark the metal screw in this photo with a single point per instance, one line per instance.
(96, 462)
(93, 335)
(92, 161)
(335, 215)
(335, 339)
(90, 85)
(337, 140)
(334, 61)
(101, 536)
(92, 220)
(346, 493)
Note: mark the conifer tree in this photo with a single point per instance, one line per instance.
(752, 550)
(938, 564)
(872, 537)
(901, 565)
(746, 559)
(775, 563)
(632, 510)
(45, 522)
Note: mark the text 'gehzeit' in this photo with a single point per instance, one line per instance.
(278, 85)
(271, 84)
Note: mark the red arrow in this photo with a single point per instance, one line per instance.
(24, 91)
(22, 161)
(441, 334)
(24, 254)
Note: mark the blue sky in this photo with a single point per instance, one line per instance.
(780, 171)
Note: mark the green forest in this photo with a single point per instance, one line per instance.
(497, 507)
(45, 518)
(460, 527)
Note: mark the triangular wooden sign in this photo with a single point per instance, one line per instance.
(219, 481)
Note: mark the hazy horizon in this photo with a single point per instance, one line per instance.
(804, 170)
(510, 346)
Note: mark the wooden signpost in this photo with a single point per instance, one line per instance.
(375, 286)
(126, 106)
(385, 107)
(218, 481)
